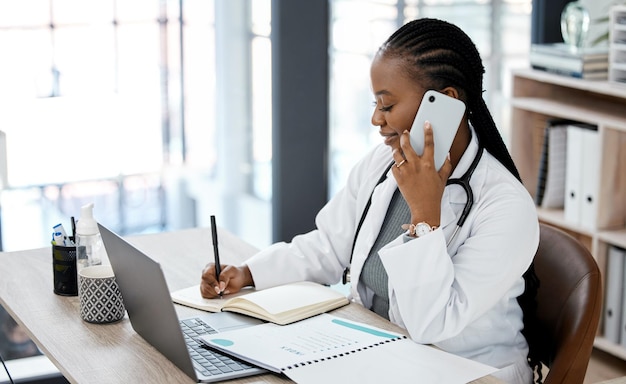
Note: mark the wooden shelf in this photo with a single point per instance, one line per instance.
(610, 347)
(601, 87)
(613, 116)
(616, 237)
(556, 217)
(539, 97)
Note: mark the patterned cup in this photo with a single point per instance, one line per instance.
(100, 297)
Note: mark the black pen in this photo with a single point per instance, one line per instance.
(73, 221)
(216, 253)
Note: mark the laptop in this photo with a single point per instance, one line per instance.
(153, 316)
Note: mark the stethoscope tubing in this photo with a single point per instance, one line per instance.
(463, 181)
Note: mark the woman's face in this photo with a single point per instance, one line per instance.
(397, 98)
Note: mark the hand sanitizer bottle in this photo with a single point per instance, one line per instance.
(89, 247)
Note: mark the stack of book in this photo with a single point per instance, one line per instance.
(586, 63)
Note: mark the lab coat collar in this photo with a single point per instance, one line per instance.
(468, 155)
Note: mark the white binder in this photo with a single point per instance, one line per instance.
(573, 174)
(590, 178)
(614, 295)
(582, 175)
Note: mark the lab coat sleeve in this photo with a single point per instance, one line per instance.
(436, 294)
(322, 254)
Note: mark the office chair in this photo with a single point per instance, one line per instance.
(569, 301)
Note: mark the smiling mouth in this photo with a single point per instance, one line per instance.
(389, 137)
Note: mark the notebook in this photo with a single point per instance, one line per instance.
(329, 349)
(153, 316)
(282, 304)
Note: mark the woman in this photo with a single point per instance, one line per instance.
(460, 291)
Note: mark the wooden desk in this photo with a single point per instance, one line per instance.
(114, 353)
(618, 380)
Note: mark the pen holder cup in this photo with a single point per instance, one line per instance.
(99, 295)
(64, 270)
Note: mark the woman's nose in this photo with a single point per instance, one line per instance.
(377, 118)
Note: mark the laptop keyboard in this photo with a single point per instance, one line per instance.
(208, 362)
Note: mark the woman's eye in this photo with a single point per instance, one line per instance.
(382, 108)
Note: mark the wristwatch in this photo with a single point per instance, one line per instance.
(420, 229)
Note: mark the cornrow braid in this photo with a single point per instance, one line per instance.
(437, 55)
(442, 55)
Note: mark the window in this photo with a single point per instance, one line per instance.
(131, 76)
(122, 99)
(358, 29)
(82, 86)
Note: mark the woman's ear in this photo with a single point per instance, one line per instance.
(450, 91)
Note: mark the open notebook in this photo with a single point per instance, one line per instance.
(282, 304)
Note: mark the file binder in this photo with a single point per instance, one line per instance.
(590, 178)
(573, 175)
(620, 287)
(582, 175)
(614, 294)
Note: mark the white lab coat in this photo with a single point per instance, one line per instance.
(461, 298)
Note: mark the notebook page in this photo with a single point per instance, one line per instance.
(293, 296)
(191, 297)
(399, 362)
(279, 347)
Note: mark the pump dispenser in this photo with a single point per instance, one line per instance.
(89, 247)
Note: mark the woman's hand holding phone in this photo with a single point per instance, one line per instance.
(420, 183)
(423, 176)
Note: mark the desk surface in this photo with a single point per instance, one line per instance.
(618, 380)
(114, 353)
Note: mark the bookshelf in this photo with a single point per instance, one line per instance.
(539, 96)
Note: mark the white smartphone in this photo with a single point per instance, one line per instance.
(445, 114)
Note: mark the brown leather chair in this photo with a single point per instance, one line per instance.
(569, 301)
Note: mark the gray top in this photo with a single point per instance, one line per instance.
(374, 275)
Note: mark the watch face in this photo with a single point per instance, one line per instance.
(422, 228)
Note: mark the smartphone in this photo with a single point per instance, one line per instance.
(445, 114)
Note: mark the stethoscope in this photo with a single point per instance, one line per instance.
(463, 181)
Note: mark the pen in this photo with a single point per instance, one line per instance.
(216, 253)
(73, 221)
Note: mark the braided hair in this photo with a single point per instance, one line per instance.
(438, 54)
